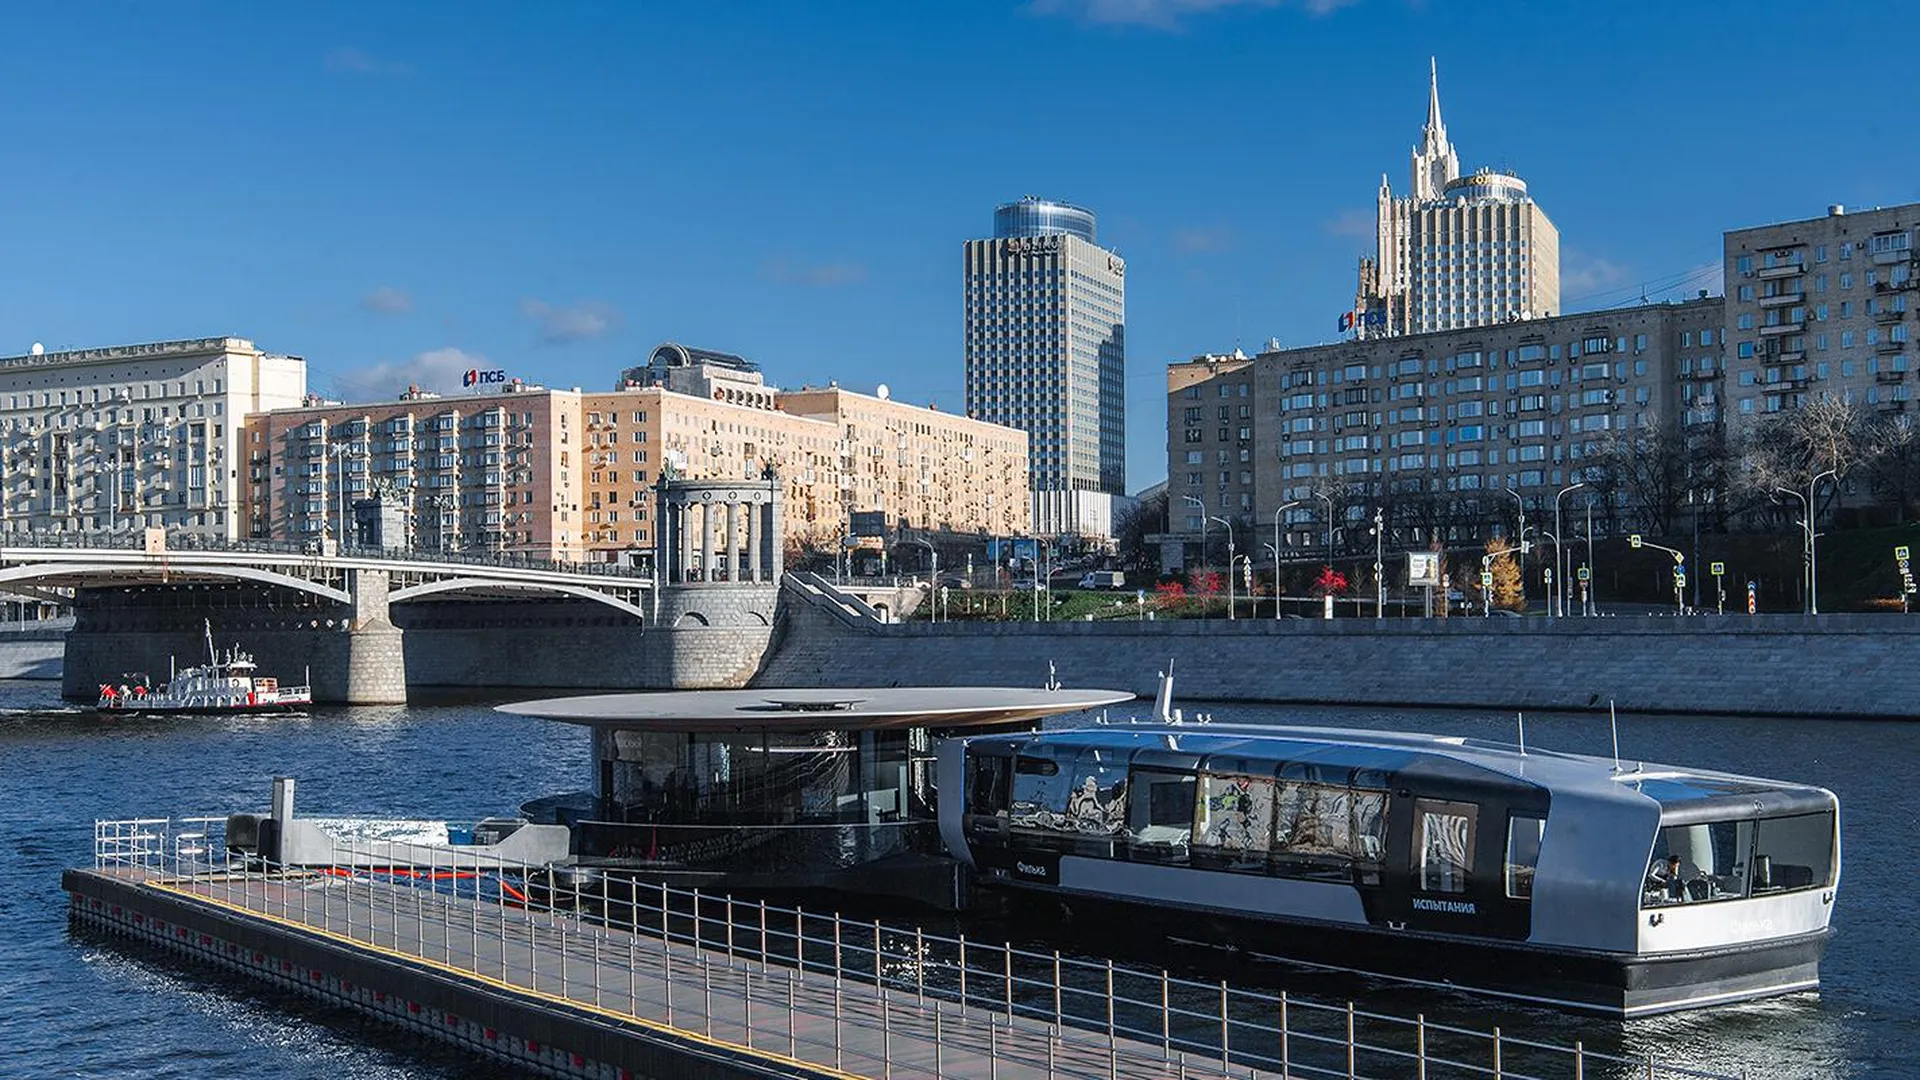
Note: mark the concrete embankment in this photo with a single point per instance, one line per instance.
(1829, 665)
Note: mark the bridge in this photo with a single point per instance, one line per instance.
(39, 566)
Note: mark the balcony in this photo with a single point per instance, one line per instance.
(1889, 376)
(1888, 316)
(1887, 348)
(1769, 273)
(1782, 300)
(1892, 406)
(1789, 357)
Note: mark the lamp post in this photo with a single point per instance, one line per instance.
(1379, 563)
(1328, 499)
(1202, 507)
(1229, 526)
(1593, 576)
(1276, 581)
(1559, 557)
(933, 574)
(1520, 534)
(1810, 547)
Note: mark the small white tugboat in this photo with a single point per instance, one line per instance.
(224, 684)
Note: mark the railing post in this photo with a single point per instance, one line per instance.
(1496, 1056)
(799, 940)
(1351, 1074)
(706, 991)
(919, 966)
(939, 1067)
(1579, 1060)
(666, 969)
(1059, 1014)
(763, 934)
(886, 1040)
(1226, 1043)
(793, 1040)
(1420, 1047)
(729, 925)
(1286, 1050)
(876, 957)
(746, 998)
(1166, 1016)
(696, 919)
(1006, 953)
(1110, 1039)
(963, 971)
(666, 932)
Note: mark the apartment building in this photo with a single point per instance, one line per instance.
(498, 471)
(134, 436)
(1822, 306)
(1432, 429)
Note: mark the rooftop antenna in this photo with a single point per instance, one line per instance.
(1520, 718)
(1613, 721)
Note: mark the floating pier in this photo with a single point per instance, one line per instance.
(565, 981)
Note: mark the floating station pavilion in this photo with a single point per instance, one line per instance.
(780, 789)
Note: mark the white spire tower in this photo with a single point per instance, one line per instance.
(1434, 161)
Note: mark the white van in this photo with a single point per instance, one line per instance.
(1104, 579)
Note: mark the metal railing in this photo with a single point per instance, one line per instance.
(823, 990)
(177, 542)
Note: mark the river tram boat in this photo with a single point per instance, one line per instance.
(1555, 878)
(226, 683)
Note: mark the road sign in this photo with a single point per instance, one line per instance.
(1901, 553)
(1585, 574)
(1753, 597)
(1679, 580)
(1718, 568)
(1634, 540)
(1486, 577)
(1549, 575)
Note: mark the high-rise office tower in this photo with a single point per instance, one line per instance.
(1460, 251)
(1046, 353)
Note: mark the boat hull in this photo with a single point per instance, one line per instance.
(200, 710)
(1622, 985)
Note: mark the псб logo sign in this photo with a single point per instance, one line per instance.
(476, 377)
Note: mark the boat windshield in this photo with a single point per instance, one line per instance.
(1734, 859)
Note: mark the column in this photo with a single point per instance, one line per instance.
(732, 545)
(707, 523)
(753, 542)
(776, 548)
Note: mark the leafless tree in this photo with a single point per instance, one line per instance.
(1891, 464)
(1790, 449)
(1133, 552)
(1647, 472)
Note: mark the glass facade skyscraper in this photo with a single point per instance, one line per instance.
(1045, 343)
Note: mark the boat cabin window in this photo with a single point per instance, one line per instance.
(1446, 834)
(1523, 854)
(1097, 798)
(987, 780)
(1039, 790)
(1235, 821)
(1160, 814)
(1730, 860)
(1313, 824)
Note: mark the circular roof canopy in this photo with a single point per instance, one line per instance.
(840, 709)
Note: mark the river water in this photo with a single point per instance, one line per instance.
(76, 1008)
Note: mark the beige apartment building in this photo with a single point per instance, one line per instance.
(570, 475)
(1821, 307)
(498, 471)
(1432, 430)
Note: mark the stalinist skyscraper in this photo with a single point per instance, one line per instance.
(1459, 251)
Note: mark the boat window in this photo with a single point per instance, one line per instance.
(1097, 799)
(1160, 814)
(987, 784)
(1039, 790)
(1236, 820)
(1792, 853)
(1523, 854)
(1369, 833)
(1713, 863)
(1446, 833)
(1312, 831)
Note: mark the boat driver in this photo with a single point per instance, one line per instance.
(1664, 877)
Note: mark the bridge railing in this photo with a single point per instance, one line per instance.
(1093, 1017)
(194, 542)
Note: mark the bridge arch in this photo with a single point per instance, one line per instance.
(415, 592)
(130, 574)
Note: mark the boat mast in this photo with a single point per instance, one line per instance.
(211, 657)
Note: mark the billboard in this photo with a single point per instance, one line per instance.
(1423, 568)
(867, 523)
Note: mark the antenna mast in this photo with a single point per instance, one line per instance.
(1613, 721)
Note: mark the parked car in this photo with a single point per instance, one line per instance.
(955, 581)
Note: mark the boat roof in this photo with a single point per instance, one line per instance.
(1685, 795)
(840, 709)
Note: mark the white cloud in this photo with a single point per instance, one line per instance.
(1585, 276)
(440, 370)
(583, 321)
(1164, 14)
(1353, 222)
(825, 275)
(347, 60)
(1202, 241)
(387, 300)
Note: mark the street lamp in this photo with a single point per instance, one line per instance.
(1559, 557)
(1275, 552)
(933, 574)
(1520, 534)
(1328, 499)
(1202, 507)
(1229, 526)
(1379, 563)
(1811, 546)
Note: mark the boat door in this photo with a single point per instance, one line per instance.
(1447, 866)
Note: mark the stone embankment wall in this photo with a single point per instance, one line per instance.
(1830, 665)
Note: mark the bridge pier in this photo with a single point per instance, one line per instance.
(375, 664)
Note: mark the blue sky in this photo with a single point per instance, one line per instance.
(396, 191)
